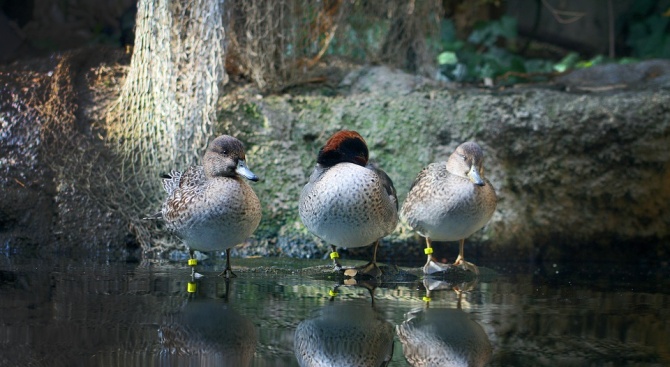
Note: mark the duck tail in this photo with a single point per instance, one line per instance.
(171, 181)
(154, 216)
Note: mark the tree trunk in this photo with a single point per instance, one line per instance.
(166, 111)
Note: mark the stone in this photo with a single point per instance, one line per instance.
(579, 175)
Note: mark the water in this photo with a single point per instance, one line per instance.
(77, 312)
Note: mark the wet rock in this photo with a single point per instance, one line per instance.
(602, 77)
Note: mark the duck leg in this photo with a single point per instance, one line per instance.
(371, 268)
(228, 271)
(192, 262)
(459, 294)
(432, 266)
(460, 260)
(334, 255)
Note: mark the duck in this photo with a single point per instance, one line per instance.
(349, 202)
(211, 207)
(449, 201)
(207, 330)
(433, 337)
(348, 333)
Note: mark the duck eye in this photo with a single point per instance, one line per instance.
(225, 152)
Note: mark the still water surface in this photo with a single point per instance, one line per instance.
(67, 312)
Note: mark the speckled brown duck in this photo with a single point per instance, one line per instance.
(212, 207)
(351, 333)
(443, 337)
(449, 201)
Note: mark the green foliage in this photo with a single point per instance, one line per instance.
(648, 33)
(573, 61)
(482, 56)
(488, 33)
(489, 50)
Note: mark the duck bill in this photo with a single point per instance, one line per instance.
(243, 170)
(474, 176)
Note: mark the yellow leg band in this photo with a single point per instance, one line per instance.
(334, 255)
(428, 250)
(332, 293)
(191, 287)
(192, 262)
(426, 299)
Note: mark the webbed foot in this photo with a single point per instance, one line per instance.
(370, 269)
(433, 267)
(466, 265)
(228, 273)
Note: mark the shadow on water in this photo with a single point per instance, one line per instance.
(66, 312)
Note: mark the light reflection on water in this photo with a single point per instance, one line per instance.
(60, 312)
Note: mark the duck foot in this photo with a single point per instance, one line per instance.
(369, 270)
(228, 273)
(334, 256)
(468, 266)
(433, 267)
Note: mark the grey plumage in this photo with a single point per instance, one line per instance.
(449, 201)
(348, 202)
(438, 337)
(344, 334)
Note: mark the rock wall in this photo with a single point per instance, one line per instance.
(578, 175)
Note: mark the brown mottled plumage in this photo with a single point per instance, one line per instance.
(207, 332)
(347, 202)
(344, 334)
(211, 207)
(449, 202)
(436, 337)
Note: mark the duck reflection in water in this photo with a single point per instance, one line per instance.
(208, 332)
(345, 333)
(443, 337)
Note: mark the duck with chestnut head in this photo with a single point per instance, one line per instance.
(347, 201)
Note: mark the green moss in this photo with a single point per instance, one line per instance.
(405, 133)
(385, 123)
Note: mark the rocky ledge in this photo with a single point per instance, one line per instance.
(581, 173)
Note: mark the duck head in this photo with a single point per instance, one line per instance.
(467, 161)
(344, 146)
(225, 157)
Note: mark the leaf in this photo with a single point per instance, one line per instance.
(517, 65)
(447, 58)
(507, 27)
(567, 62)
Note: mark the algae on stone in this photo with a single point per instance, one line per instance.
(568, 168)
